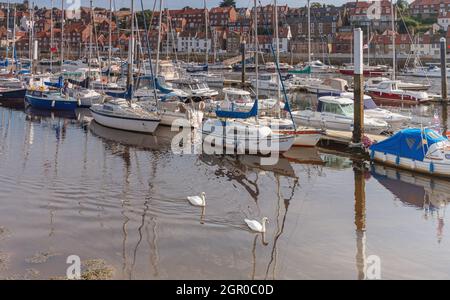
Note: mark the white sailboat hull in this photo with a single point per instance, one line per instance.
(306, 140)
(334, 123)
(273, 143)
(129, 124)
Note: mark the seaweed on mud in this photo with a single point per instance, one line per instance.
(92, 269)
(96, 269)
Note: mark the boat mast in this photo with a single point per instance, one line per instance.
(255, 22)
(7, 31)
(130, 55)
(31, 36)
(14, 54)
(159, 38)
(167, 35)
(51, 37)
(90, 37)
(309, 32)
(110, 40)
(206, 33)
(277, 41)
(62, 33)
(393, 39)
(368, 45)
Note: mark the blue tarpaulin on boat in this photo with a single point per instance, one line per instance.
(128, 94)
(238, 114)
(159, 86)
(410, 143)
(59, 84)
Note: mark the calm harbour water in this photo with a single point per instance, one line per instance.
(68, 188)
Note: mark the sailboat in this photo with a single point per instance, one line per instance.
(234, 130)
(12, 90)
(126, 114)
(306, 137)
(49, 95)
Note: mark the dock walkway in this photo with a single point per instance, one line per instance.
(345, 137)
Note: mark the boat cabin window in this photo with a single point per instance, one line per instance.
(369, 104)
(238, 98)
(202, 85)
(107, 107)
(385, 85)
(339, 109)
(265, 77)
(347, 109)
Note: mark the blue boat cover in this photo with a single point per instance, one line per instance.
(59, 84)
(128, 94)
(238, 114)
(410, 143)
(160, 87)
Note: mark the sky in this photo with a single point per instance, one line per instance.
(176, 3)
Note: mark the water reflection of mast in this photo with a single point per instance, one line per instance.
(7, 122)
(144, 214)
(360, 218)
(29, 139)
(236, 174)
(254, 256)
(154, 258)
(140, 237)
(280, 229)
(126, 158)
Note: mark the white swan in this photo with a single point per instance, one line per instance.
(256, 226)
(197, 200)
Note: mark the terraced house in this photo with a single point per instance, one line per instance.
(428, 8)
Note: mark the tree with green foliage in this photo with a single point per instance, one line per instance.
(402, 5)
(228, 3)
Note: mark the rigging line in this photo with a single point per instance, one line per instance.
(412, 41)
(279, 73)
(148, 47)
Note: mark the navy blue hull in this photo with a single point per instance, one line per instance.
(49, 104)
(13, 95)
